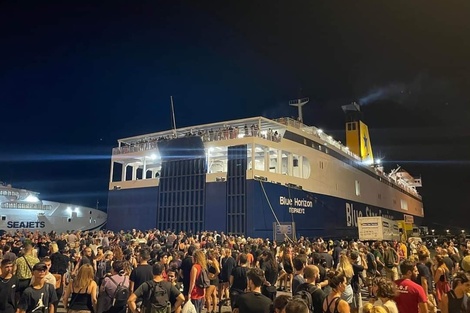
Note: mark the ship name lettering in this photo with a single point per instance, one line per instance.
(303, 202)
(285, 201)
(352, 215)
(296, 210)
(22, 224)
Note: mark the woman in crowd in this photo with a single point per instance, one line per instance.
(196, 293)
(213, 273)
(270, 268)
(453, 301)
(345, 267)
(334, 303)
(287, 267)
(441, 275)
(83, 291)
(386, 292)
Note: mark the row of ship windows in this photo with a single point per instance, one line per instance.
(14, 205)
(403, 203)
(9, 193)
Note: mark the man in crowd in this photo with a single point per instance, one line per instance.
(411, 296)
(8, 285)
(143, 292)
(254, 301)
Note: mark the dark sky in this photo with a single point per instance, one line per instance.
(75, 76)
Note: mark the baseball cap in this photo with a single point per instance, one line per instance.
(39, 267)
(466, 263)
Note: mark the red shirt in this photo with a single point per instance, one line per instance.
(197, 292)
(410, 294)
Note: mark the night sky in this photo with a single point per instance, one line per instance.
(75, 76)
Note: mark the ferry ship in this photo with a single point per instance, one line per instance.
(22, 210)
(257, 177)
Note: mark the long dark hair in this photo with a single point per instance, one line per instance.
(270, 258)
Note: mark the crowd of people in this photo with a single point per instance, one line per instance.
(161, 271)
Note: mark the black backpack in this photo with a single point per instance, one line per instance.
(304, 292)
(158, 299)
(203, 279)
(121, 294)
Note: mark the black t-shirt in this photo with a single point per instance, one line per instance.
(228, 263)
(270, 272)
(141, 274)
(37, 298)
(7, 294)
(317, 295)
(328, 259)
(239, 278)
(253, 302)
(59, 263)
(424, 272)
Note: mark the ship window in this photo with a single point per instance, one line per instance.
(90, 212)
(349, 126)
(358, 188)
(69, 220)
(404, 205)
(4, 217)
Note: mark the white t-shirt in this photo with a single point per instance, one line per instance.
(390, 305)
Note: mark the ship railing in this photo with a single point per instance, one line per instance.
(206, 135)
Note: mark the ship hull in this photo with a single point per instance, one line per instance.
(260, 208)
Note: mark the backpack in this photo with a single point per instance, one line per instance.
(121, 294)
(158, 300)
(202, 280)
(304, 292)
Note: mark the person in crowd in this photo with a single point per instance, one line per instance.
(333, 303)
(370, 308)
(279, 304)
(270, 269)
(287, 268)
(24, 267)
(386, 291)
(311, 274)
(441, 275)
(390, 257)
(346, 268)
(227, 264)
(197, 293)
(82, 291)
(8, 285)
(185, 270)
(253, 301)
(213, 273)
(297, 305)
(143, 272)
(176, 298)
(109, 286)
(358, 269)
(411, 297)
(456, 300)
(40, 296)
(238, 279)
(299, 262)
(172, 277)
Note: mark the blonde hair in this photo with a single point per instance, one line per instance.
(54, 247)
(85, 276)
(200, 258)
(345, 266)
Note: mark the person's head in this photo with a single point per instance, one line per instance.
(84, 277)
(99, 250)
(163, 258)
(299, 262)
(171, 274)
(370, 308)
(337, 280)
(118, 267)
(144, 255)
(408, 269)
(385, 288)
(39, 271)
(47, 261)
(423, 255)
(157, 269)
(461, 282)
(279, 304)
(439, 260)
(7, 267)
(311, 273)
(297, 305)
(54, 247)
(255, 276)
(243, 258)
(191, 250)
(200, 258)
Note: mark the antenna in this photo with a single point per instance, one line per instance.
(173, 116)
(299, 103)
